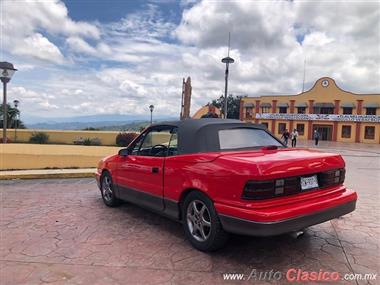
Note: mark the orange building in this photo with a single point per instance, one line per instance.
(338, 115)
(208, 109)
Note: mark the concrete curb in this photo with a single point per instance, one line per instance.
(47, 174)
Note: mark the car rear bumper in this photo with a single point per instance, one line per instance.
(286, 214)
(246, 227)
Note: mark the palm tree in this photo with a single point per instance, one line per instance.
(12, 117)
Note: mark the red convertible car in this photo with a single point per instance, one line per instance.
(225, 176)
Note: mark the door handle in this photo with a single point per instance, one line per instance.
(155, 169)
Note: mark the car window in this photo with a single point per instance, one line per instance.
(156, 142)
(136, 146)
(245, 138)
(173, 144)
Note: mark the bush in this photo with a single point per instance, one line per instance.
(89, 141)
(39, 137)
(95, 141)
(124, 139)
(8, 140)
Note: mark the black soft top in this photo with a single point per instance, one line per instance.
(201, 135)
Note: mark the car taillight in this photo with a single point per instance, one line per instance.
(332, 177)
(257, 190)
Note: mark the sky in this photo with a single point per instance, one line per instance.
(88, 57)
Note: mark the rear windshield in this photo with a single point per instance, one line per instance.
(245, 138)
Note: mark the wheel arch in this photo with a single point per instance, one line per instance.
(185, 193)
(104, 170)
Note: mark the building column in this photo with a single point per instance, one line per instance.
(357, 132)
(291, 110)
(310, 123)
(311, 106)
(257, 110)
(274, 107)
(359, 106)
(310, 130)
(336, 107)
(241, 110)
(358, 124)
(335, 131)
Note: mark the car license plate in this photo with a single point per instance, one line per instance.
(309, 182)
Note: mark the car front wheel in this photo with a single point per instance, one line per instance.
(201, 223)
(107, 190)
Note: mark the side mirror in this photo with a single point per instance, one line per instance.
(124, 152)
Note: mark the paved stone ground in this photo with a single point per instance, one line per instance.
(59, 232)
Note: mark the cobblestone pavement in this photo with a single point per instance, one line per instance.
(59, 232)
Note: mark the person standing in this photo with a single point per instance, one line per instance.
(316, 137)
(285, 136)
(294, 136)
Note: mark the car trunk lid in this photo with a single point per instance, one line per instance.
(271, 163)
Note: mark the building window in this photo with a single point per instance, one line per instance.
(265, 109)
(347, 110)
(346, 132)
(301, 110)
(282, 110)
(323, 110)
(370, 111)
(301, 129)
(248, 113)
(281, 128)
(265, 125)
(369, 133)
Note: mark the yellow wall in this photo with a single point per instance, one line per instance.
(65, 137)
(33, 156)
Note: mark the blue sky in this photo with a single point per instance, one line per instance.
(118, 57)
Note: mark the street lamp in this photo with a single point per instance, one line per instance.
(227, 60)
(16, 103)
(6, 72)
(151, 107)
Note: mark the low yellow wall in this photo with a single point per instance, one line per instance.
(33, 156)
(64, 137)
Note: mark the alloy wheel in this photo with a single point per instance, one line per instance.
(107, 188)
(198, 220)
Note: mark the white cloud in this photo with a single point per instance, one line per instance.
(150, 55)
(22, 23)
(80, 45)
(39, 47)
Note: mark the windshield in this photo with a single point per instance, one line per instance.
(245, 138)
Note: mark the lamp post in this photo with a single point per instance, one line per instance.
(6, 72)
(151, 107)
(16, 103)
(227, 60)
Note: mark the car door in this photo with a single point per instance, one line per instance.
(140, 173)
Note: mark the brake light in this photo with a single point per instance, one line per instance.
(332, 177)
(264, 189)
(258, 190)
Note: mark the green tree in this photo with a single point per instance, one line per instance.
(12, 118)
(233, 109)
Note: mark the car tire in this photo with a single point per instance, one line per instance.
(107, 190)
(201, 223)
